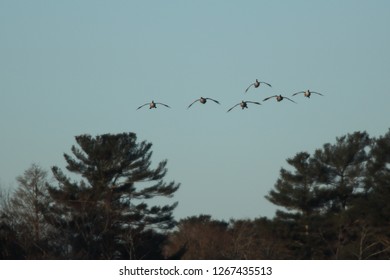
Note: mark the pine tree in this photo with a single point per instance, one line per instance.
(105, 214)
(343, 168)
(373, 221)
(378, 178)
(296, 191)
(320, 196)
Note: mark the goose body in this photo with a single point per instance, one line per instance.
(279, 98)
(244, 104)
(307, 93)
(203, 100)
(152, 105)
(256, 84)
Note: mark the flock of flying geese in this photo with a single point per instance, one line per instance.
(243, 104)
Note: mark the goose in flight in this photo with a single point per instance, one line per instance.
(203, 100)
(244, 104)
(307, 93)
(153, 105)
(278, 98)
(256, 84)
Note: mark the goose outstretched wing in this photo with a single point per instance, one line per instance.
(143, 105)
(266, 84)
(192, 103)
(252, 84)
(298, 93)
(207, 98)
(162, 104)
(265, 99)
(233, 107)
(253, 102)
(289, 99)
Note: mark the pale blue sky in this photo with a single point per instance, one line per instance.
(75, 67)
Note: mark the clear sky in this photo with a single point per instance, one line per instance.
(83, 67)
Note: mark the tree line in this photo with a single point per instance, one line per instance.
(332, 204)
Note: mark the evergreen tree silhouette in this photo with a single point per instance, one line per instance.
(105, 214)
